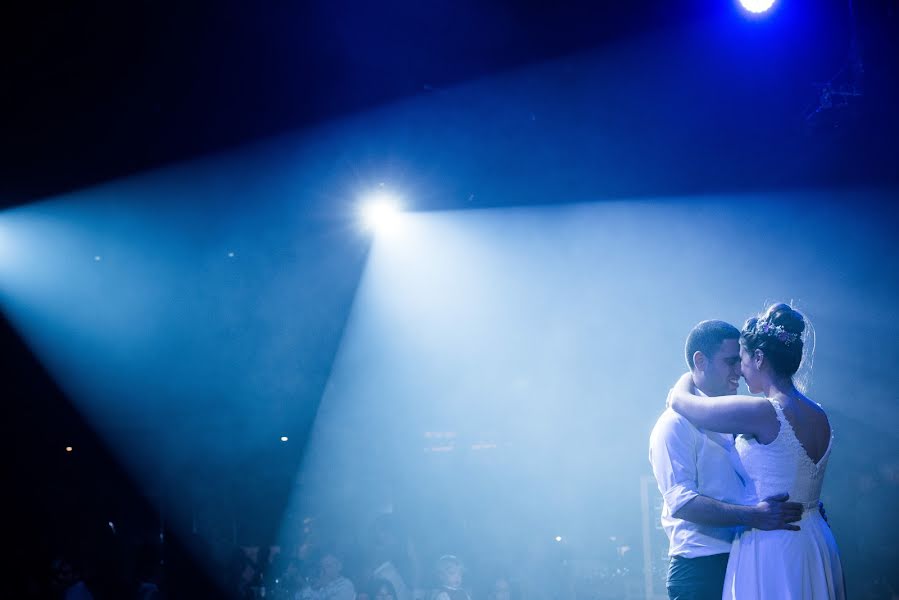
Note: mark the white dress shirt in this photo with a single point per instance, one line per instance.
(688, 462)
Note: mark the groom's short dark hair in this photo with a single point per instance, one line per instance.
(707, 336)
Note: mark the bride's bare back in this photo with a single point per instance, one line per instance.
(809, 422)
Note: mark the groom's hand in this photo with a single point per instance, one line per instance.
(774, 512)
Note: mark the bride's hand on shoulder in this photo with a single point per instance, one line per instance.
(682, 387)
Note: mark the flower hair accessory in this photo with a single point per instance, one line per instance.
(777, 332)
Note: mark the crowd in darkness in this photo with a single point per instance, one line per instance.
(383, 559)
(382, 564)
(385, 566)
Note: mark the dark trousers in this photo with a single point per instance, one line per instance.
(697, 578)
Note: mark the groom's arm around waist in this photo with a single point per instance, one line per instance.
(703, 510)
(769, 514)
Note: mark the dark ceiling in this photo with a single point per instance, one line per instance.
(93, 91)
(96, 90)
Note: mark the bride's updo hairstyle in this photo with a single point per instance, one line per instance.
(778, 332)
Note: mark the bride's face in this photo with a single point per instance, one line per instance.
(750, 370)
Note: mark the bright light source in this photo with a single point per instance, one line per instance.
(68, 448)
(757, 6)
(98, 258)
(558, 538)
(381, 212)
(283, 438)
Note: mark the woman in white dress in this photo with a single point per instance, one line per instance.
(784, 443)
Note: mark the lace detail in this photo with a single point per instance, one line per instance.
(783, 465)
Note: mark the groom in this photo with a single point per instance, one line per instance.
(701, 479)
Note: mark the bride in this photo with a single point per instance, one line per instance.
(784, 444)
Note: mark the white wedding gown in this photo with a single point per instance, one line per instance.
(785, 565)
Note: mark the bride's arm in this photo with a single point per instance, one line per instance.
(728, 414)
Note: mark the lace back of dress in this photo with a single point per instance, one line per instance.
(783, 465)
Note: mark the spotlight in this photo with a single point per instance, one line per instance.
(69, 448)
(283, 438)
(380, 212)
(757, 6)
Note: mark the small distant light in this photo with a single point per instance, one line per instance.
(283, 438)
(558, 538)
(69, 448)
(230, 255)
(757, 6)
(98, 258)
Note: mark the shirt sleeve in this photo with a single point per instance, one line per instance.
(672, 453)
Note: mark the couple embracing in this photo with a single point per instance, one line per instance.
(741, 476)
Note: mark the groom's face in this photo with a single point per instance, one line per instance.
(722, 372)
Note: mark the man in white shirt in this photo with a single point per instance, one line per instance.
(701, 479)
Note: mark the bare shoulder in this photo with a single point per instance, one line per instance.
(815, 406)
(812, 426)
(762, 419)
(763, 409)
(805, 414)
(761, 403)
(815, 412)
(807, 407)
